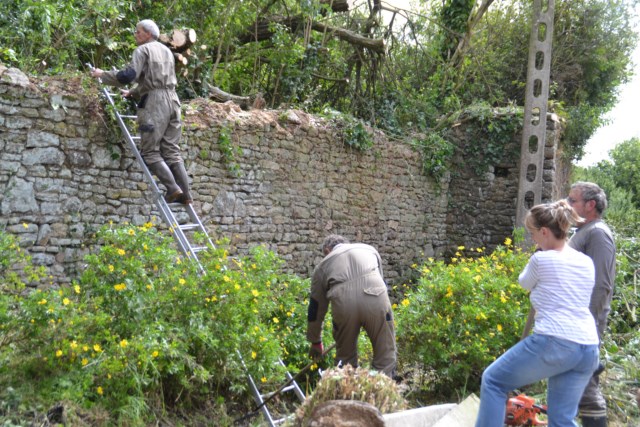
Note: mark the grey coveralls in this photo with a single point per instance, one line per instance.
(350, 277)
(152, 68)
(596, 240)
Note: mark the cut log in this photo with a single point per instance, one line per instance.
(179, 40)
(245, 102)
(180, 59)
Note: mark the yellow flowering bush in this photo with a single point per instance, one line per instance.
(460, 316)
(141, 329)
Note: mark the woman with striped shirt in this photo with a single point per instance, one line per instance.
(564, 345)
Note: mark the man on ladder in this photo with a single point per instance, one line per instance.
(153, 69)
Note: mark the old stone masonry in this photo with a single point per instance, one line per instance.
(64, 173)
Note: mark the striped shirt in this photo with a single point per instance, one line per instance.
(561, 283)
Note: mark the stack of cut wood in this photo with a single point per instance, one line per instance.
(180, 42)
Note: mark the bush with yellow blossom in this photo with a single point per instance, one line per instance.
(141, 330)
(460, 316)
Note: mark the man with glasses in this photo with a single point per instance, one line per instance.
(594, 238)
(153, 69)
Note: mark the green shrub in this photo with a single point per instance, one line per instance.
(623, 318)
(142, 331)
(460, 316)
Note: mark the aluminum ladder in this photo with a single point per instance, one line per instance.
(179, 232)
(262, 399)
(182, 233)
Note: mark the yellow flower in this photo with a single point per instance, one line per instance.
(507, 241)
(155, 354)
(237, 287)
(99, 390)
(121, 252)
(449, 293)
(66, 301)
(120, 287)
(394, 306)
(226, 278)
(59, 353)
(461, 248)
(255, 293)
(254, 354)
(499, 328)
(405, 302)
(85, 347)
(25, 225)
(84, 361)
(454, 259)
(97, 348)
(477, 278)
(42, 301)
(275, 320)
(124, 343)
(263, 379)
(73, 344)
(182, 281)
(76, 288)
(149, 287)
(111, 268)
(480, 250)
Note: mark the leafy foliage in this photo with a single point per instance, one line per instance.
(273, 48)
(141, 329)
(460, 316)
(619, 179)
(229, 151)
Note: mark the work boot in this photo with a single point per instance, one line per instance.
(182, 179)
(162, 171)
(593, 421)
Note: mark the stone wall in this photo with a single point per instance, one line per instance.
(64, 173)
(482, 208)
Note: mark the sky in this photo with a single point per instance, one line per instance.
(624, 121)
(624, 118)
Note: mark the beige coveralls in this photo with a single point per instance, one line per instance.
(350, 277)
(152, 67)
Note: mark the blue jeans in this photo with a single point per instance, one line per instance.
(567, 364)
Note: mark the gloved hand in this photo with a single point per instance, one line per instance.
(316, 350)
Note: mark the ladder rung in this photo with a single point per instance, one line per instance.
(268, 395)
(128, 117)
(135, 138)
(188, 227)
(198, 249)
(175, 204)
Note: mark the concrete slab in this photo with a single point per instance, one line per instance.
(463, 415)
(418, 417)
(446, 415)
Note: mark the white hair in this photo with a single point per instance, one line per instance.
(150, 27)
